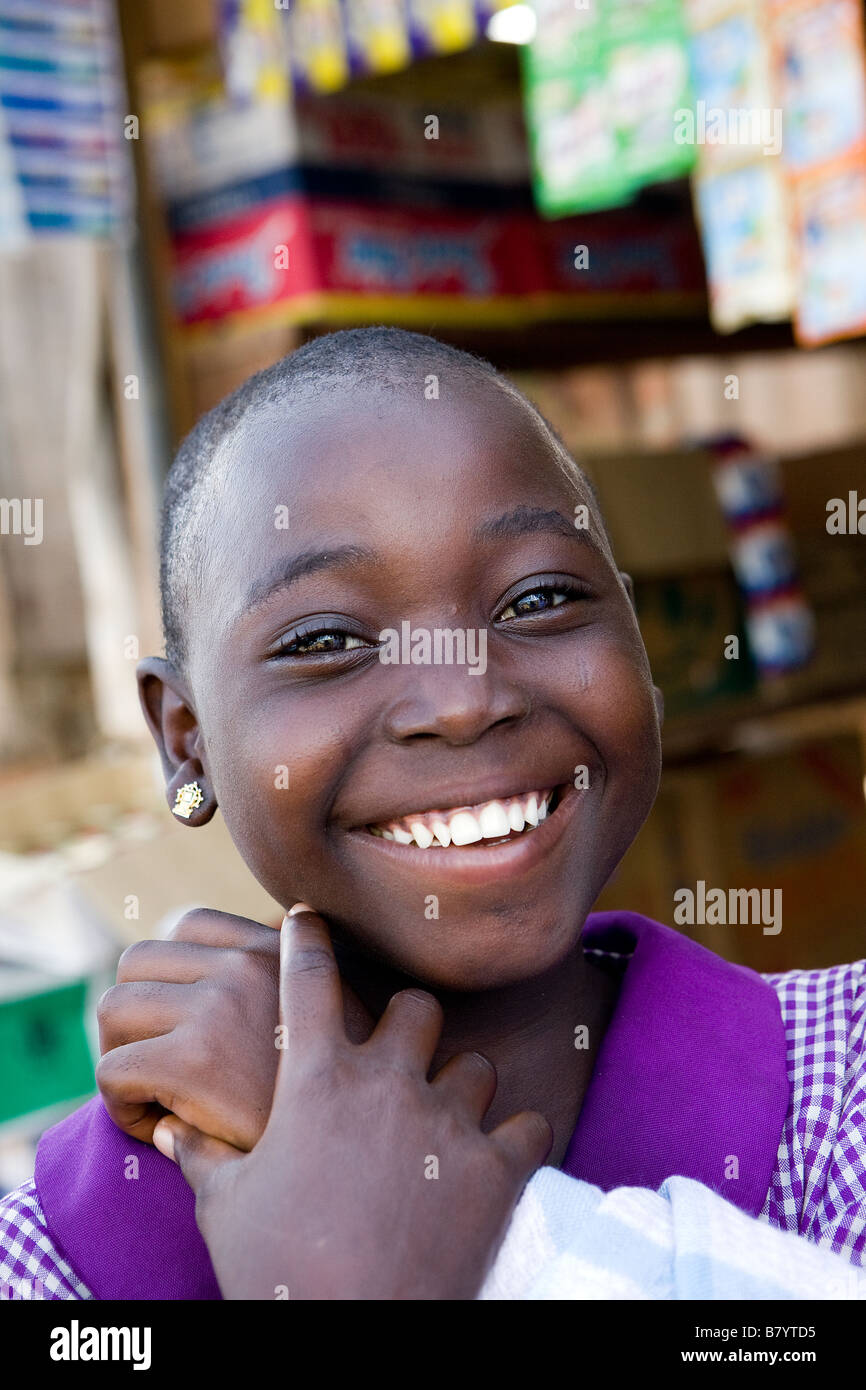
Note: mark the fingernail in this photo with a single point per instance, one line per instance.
(164, 1139)
(299, 907)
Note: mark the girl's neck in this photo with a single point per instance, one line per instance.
(542, 1035)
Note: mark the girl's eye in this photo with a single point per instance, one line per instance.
(539, 600)
(321, 643)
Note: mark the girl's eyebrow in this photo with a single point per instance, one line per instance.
(287, 571)
(522, 521)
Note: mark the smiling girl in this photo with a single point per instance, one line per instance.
(452, 825)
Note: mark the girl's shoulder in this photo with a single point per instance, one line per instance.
(30, 1265)
(824, 1010)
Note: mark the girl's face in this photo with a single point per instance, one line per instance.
(370, 512)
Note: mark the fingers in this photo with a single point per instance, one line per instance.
(408, 1032)
(125, 1077)
(525, 1140)
(131, 1012)
(137, 1071)
(137, 1121)
(357, 1019)
(197, 1155)
(469, 1081)
(173, 962)
(184, 962)
(204, 926)
(311, 997)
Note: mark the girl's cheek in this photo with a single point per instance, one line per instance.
(611, 679)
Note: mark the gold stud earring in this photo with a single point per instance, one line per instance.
(188, 798)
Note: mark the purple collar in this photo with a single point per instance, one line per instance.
(119, 1212)
(690, 1074)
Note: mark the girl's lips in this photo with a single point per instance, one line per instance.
(477, 864)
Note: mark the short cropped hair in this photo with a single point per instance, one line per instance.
(383, 358)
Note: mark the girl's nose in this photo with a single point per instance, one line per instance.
(452, 704)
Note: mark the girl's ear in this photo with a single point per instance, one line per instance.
(660, 704)
(169, 713)
(657, 694)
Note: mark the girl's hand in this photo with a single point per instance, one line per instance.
(191, 1027)
(369, 1182)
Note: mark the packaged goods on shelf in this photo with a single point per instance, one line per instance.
(330, 42)
(602, 84)
(744, 223)
(740, 191)
(62, 94)
(779, 621)
(821, 75)
(13, 220)
(780, 185)
(817, 48)
(830, 219)
(339, 206)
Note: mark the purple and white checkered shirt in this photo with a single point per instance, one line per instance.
(818, 1189)
(819, 1186)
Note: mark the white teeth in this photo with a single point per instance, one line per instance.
(423, 836)
(465, 829)
(493, 820)
(442, 833)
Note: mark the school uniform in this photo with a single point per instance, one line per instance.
(754, 1086)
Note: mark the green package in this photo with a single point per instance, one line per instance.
(601, 92)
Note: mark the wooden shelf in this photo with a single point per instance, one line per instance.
(789, 712)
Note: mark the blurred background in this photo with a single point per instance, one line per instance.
(650, 213)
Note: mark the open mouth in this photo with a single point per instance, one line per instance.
(487, 824)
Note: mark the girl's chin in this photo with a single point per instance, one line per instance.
(519, 954)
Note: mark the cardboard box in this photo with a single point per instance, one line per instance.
(685, 622)
(661, 512)
(645, 880)
(793, 822)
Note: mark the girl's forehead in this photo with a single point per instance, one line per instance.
(477, 441)
(411, 482)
